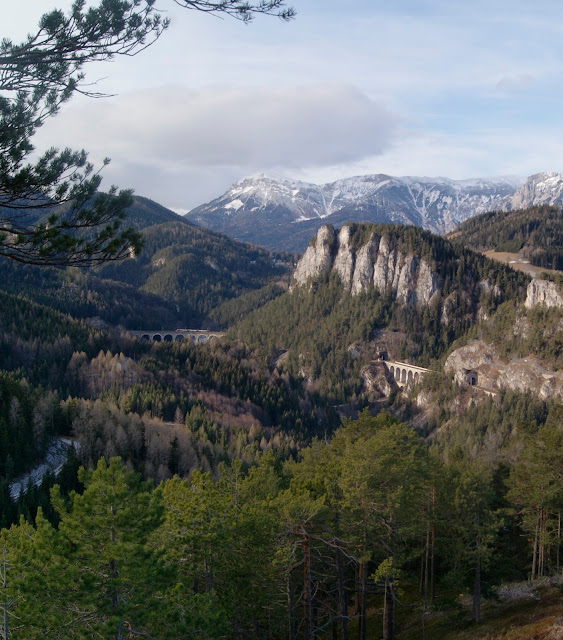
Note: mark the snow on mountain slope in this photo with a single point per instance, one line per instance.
(283, 214)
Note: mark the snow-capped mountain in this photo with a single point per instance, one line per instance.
(283, 214)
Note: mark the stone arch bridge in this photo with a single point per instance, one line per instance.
(197, 336)
(404, 373)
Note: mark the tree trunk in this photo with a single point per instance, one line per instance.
(6, 622)
(389, 610)
(421, 578)
(342, 603)
(477, 591)
(364, 600)
(362, 605)
(290, 605)
(426, 568)
(557, 557)
(307, 589)
(540, 546)
(357, 603)
(535, 552)
(477, 586)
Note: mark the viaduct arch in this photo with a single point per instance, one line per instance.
(197, 336)
(405, 374)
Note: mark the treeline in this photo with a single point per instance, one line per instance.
(536, 232)
(83, 295)
(369, 526)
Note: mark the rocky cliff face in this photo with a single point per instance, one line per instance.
(541, 188)
(544, 293)
(377, 263)
(519, 374)
(378, 382)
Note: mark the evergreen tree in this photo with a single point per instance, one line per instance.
(118, 577)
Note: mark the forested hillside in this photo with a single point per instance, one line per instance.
(196, 268)
(240, 503)
(330, 333)
(366, 535)
(535, 233)
(164, 408)
(183, 273)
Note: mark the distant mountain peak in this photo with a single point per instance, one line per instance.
(281, 213)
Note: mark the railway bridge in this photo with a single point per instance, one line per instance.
(404, 373)
(197, 336)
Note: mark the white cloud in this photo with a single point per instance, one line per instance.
(232, 132)
(255, 128)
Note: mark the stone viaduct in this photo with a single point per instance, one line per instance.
(404, 373)
(197, 336)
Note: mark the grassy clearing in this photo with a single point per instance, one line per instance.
(516, 261)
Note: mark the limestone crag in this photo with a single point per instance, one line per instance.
(543, 292)
(377, 263)
(472, 357)
(317, 259)
(365, 263)
(519, 374)
(345, 258)
(378, 382)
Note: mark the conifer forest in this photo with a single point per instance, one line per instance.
(204, 439)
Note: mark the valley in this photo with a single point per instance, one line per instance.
(344, 414)
(322, 403)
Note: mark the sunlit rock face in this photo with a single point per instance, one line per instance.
(543, 293)
(376, 263)
(491, 373)
(317, 259)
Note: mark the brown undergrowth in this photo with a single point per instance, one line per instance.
(531, 617)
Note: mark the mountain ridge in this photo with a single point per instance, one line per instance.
(283, 213)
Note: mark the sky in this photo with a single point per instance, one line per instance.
(349, 87)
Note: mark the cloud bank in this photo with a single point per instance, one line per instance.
(235, 131)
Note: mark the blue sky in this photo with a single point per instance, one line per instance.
(349, 87)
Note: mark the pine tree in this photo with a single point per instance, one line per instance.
(118, 576)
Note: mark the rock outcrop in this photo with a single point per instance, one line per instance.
(317, 259)
(543, 292)
(478, 361)
(378, 263)
(475, 356)
(378, 382)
